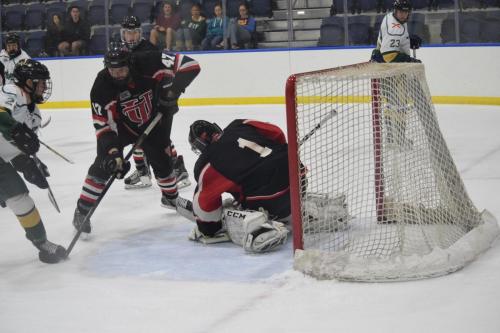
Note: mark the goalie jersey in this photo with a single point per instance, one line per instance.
(249, 161)
(133, 106)
(393, 38)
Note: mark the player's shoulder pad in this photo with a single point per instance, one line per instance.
(22, 56)
(11, 89)
(103, 87)
(9, 96)
(394, 27)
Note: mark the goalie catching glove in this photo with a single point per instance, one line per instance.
(115, 164)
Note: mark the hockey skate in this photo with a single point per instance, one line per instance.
(169, 203)
(140, 178)
(50, 253)
(78, 219)
(181, 173)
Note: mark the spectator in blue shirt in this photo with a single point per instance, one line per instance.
(242, 28)
(215, 31)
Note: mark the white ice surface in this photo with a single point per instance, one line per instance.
(139, 273)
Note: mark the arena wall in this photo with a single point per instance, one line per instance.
(455, 74)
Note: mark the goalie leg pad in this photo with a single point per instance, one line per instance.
(268, 237)
(253, 231)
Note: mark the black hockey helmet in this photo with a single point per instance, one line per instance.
(117, 55)
(12, 38)
(132, 24)
(404, 5)
(200, 135)
(41, 87)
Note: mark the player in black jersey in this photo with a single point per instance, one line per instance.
(131, 35)
(249, 160)
(125, 98)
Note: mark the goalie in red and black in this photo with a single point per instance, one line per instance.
(125, 98)
(248, 160)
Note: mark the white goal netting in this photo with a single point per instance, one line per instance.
(376, 195)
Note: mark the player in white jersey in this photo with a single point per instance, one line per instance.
(394, 42)
(10, 56)
(19, 119)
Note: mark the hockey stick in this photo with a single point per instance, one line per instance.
(110, 181)
(318, 126)
(52, 198)
(46, 122)
(56, 152)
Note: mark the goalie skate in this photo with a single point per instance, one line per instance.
(138, 179)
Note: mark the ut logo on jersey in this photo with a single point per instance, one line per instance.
(396, 26)
(138, 110)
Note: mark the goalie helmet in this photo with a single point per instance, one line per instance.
(201, 134)
(131, 31)
(40, 87)
(13, 38)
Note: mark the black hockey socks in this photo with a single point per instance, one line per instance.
(36, 233)
(91, 190)
(168, 186)
(140, 162)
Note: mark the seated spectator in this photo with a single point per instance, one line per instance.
(163, 33)
(76, 34)
(54, 35)
(242, 28)
(192, 31)
(215, 31)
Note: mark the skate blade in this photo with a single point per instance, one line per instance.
(136, 186)
(183, 183)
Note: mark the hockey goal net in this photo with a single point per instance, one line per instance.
(375, 193)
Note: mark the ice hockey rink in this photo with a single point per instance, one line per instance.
(138, 272)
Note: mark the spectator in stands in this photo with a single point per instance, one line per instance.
(242, 28)
(54, 35)
(166, 24)
(215, 31)
(76, 34)
(192, 30)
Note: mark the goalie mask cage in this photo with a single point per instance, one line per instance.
(368, 134)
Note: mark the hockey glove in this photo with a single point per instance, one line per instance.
(168, 99)
(25, 139)
(415, 42)
(30, 170)
(115, 164)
